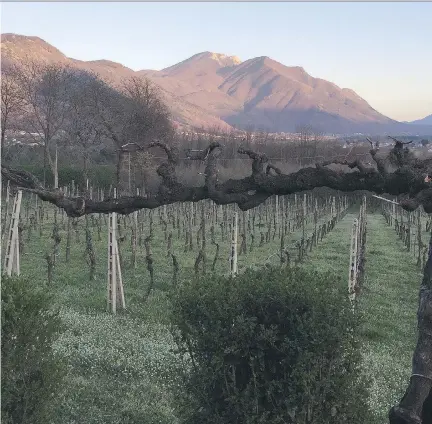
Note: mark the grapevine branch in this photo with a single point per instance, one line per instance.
(407, 179)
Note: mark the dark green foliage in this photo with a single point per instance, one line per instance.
(101, 176)
(273, 346)
(31, 376)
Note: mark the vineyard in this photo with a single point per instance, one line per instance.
(119, 349)
(157, 272)
(185, 237)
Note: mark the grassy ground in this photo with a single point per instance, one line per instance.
(121, 367)
(333, 255)
(389, 303)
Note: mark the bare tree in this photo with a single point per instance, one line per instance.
(11, 100)
(45, 89)
(249, 133)
(82, 124)
(317, 139)
(149, 116)
(309, 139)
(134, 114)
(262, 136)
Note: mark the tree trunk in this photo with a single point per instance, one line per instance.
(416, 405)
(52, 165)
(118, 169)
(56, 168)
(85, 166)
(3, 137)
(44, 167)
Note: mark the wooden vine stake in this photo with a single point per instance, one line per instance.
(304, 215)
(56, 168)
(333, 207)
(12, 263)
(115, 281)
(233, 258)
(5, 219)
(352, 276)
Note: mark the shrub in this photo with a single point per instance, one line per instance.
(273, 346)
(101, 176)
(31, 375)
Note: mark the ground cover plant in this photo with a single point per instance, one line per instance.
(389, 301)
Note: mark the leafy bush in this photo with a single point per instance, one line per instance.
(31, 376)
(273, 346)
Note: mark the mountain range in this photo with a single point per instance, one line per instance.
(215, 90)
(425, 121)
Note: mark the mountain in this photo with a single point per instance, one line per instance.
(425, 121)
(261, 92)
(18, 48)
(215, 90)
(203, 70)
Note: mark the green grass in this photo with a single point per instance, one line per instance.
(389, 303)
(333, 254)
(122, 368)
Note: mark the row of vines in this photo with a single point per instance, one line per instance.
(177, 240)
(413, 229)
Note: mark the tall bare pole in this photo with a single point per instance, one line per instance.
(233, 258)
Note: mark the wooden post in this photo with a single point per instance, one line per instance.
(135, 233)
(12, 263)
(334, 210)
(316, 222)
(56, 168)
(419, 236)
(165, 214)
(233, 259)
(115, 281)
(112, 268)
(129, 174)
(304, 217)
(352, 275)
(6, 214)
(282, 209)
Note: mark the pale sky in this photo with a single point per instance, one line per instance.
(383, 51)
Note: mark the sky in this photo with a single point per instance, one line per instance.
(380, 50)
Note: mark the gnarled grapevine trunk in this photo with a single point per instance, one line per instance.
(416, 405)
